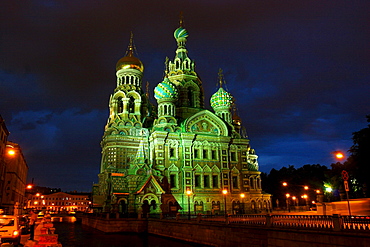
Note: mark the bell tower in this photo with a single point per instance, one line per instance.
(127, 100)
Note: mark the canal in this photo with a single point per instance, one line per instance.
(78, 235)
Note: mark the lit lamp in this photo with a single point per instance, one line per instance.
(242, 195)
(305, 197)
(188, 193)
(10, 151)
(287, 201)
(224, 192)
(338, 155)
(294, 200)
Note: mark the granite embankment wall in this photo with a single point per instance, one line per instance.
(218, 234)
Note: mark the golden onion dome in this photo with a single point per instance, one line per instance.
(130, 62)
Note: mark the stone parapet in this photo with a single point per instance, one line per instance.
(221, 234)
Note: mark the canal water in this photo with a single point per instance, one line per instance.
(78, 235)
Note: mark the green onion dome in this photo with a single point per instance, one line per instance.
(221, 99)
(180, 33)
(165, 89)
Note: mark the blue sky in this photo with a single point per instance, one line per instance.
(299, 71)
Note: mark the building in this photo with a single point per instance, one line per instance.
(178, 155)
(60, 202)
(13, 190)
(4, 133)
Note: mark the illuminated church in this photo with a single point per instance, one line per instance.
(175, 155)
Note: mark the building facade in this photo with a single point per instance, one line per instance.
(4, 133)
(60, 202)
(15, 179)
(177, 155)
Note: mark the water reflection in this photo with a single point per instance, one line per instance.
(76, 234)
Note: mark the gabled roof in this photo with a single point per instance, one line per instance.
(151, 180)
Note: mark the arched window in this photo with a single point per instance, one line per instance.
(119, 105)
(251, 183)
(191, 97)
(131, 105)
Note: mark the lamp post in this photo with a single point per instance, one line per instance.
(188, 193)
(242, 195)
(287, 201)
(294, 201)
(224, 192)
(305, 197)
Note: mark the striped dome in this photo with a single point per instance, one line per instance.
(221, 99)
(180, 33)
(165, 89)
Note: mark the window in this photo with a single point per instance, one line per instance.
(196, 153)
(172, 152)
(251, 183)
(215, 181)
(235, 182)
(205, 154)
(173, 180)
(233, 156)
(213, 154)
(206, 181)
(197, 180)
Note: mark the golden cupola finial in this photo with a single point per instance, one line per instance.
(129, 61)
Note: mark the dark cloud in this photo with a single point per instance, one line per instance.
(298, 70)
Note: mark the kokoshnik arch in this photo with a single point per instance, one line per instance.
(161, 158)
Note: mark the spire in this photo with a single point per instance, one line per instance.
(147, 89)
(129, 60)
(181, 19)
(130, 48)
(220, 77)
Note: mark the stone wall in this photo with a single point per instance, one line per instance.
(116, 225)
(220, 234)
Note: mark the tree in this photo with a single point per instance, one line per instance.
(312, 176)
(359, 161)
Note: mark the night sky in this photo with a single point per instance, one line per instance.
(299, 71)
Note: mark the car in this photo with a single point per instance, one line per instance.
(10, 229)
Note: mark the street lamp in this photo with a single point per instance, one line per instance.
(188, 193)
(287, 201)
(338, 155)
(224, 192)
(294, 200)
(242, 195)
(305, 197)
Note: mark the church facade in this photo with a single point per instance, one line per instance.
(175, 156)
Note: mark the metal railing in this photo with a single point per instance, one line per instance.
(333, 222)
(330, 222)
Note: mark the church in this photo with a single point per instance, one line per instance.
(175, 156)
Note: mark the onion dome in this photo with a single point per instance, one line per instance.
(130, 61)
(165, 89)
(221, 99)
(180, 33)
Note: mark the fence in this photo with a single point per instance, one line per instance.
(335, 222)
